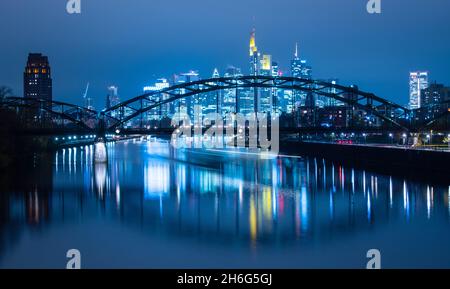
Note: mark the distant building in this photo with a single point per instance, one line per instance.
(265, 94)
(186, 104)
(299, 69)
(418, 81)
(112, 97)
(433, 99)
(160, 84)
(296, 64)
(254, 54)
(229, 96)
(37, 80)
(163, 110)
(333, 116)
(213, 98)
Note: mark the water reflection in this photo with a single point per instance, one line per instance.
(211, 196)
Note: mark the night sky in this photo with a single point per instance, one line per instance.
(130, 43)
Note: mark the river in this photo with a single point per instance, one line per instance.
(152, 206)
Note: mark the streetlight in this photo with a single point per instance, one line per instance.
(391, 136)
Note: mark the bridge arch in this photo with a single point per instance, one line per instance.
(77, 115)
(368, 102)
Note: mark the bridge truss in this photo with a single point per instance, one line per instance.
(389, 112)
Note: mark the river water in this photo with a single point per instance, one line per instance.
(152, 206)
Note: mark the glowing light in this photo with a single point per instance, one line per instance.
(100, 154)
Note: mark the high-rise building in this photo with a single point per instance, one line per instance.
(186, 104)
(113, 92)
(164, 109)
(37, 80)
(418, 81)
(229, 96)
(296, 64)
(277, 94)
(254, 54)
(112, 99)
(434, 99)
(299, 69)
(265, 94)
(212, 100)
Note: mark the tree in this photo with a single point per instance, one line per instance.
(5, 92)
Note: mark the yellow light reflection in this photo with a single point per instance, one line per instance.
(253, 219)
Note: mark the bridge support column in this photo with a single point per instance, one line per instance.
(100, 152)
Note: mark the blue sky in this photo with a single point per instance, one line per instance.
(129, 43)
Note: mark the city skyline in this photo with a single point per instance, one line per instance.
(171, 134)
(375, 64)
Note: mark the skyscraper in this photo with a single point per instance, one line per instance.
(186, 104)
(113, 95)
(37, 80)
(296, 65)
(434, 99)
(212, 99)
(112, 99)
(164, 109)
(418, 80)
(300, 69)
(254, 55)
(229, 96)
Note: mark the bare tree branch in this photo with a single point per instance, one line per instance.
(5, 92)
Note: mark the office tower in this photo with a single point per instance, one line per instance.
(112, 99)
(331, 101)
(163, 110)
(299, 69)
(37, 80)
(186, 104)
(434, 100)
(265, 67)
(113, 95)
(254, 55)
(232, 98)
(296, 65)
(418, 80)
(277, 94)
(213, 98)
(108, 101)
(265, 94)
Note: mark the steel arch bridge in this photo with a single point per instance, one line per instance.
(67, 116)
(368, 102)
(44, 116)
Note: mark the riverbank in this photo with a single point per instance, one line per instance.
(386, 159)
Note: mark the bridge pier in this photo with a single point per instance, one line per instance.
(100, 152)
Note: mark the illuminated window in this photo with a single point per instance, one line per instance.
(44, 70)
(36, 70)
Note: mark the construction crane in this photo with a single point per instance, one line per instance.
(87, 100)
